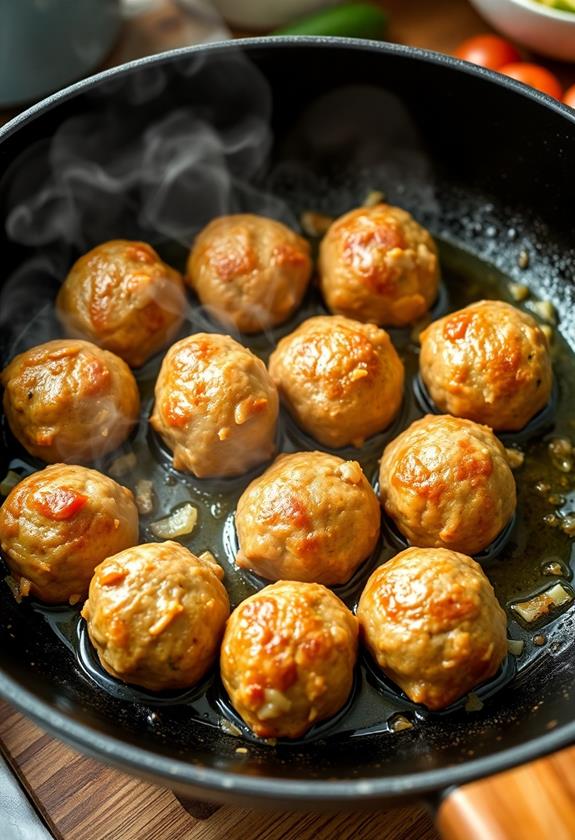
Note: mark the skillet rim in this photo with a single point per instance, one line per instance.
(224, 784)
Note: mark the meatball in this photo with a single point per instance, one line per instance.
(377, 264)
(310, 517)
(216, 406)
(122, 297)
(488, 362)
(430, 619)
(156, 614)
(251, 271)
(288, 657)
(341, 380)
(447, 484)
(68, 400)
(58, 524)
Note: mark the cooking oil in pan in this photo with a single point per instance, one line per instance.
(534, 552)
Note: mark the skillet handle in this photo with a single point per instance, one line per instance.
(536, 801)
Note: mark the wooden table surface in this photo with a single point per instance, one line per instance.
(80, 799)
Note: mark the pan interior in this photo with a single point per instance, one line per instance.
(155, 153)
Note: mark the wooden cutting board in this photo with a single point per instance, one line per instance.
(80, 799)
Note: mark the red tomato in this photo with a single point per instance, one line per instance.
(569, 96)
(488, 51)
(535, 76)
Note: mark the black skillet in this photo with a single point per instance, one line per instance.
(280, 126)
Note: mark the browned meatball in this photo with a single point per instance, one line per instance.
(251, 271)
(377, 264)
(488, 362)
(121, 296)
(69, 400)
(287, 658)
(430, 619)
(311, 517)
(446, 483)
(341, 380)
(216, 406)
(58, 524)
(156, 614)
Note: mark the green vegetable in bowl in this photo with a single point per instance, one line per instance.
(563, 5)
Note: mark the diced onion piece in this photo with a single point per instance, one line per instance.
(515, 457)
(276, 704)
(545, 310)
(9, 482)
(181, 521)
(230, 728)
(373, 198)
(543, 603)
(399, 723)
(515, 646)
(315, 224)
(122, 464)
(518, 291)
(474, 703)
(144, 496)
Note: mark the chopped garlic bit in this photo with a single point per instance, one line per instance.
(515, 458)
(523, 260)
(351, 472)
(552, 567)
(181, 521)
(14, 588)
(474, 703)
(518, 291)
(568, 524)
(230, 728)
(276, 704)
(122, 465)
(144, 496)
(315, 224)
(9, 482)
(543, 603)
(399, 723)
(515, 646)
(561, 451)
(545, 310)
(373, 198)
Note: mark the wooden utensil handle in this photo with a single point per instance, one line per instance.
(533, 802)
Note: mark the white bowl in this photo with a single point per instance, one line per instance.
(534, 25)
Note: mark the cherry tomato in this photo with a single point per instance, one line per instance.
(569, 96)
(487, 51)
(535, 76)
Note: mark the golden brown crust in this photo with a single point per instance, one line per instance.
(58, 524)
(123, 297)
(69, 400)
(310, 517)
(156, 614)
(341, 380)
(216, 406)
(288, 657)
(377, 264)
(430, 619)
(446, 483)
(488, 362)
(251, 271)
